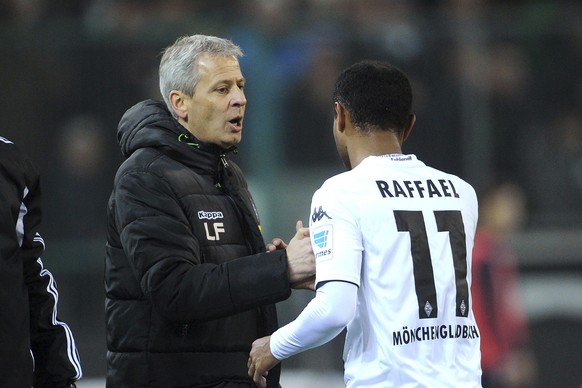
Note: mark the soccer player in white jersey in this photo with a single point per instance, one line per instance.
(393, 240)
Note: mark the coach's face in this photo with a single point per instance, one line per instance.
(215, 113)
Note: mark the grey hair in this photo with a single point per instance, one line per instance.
(179, 64)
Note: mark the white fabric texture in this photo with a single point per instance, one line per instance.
(322, 320)
(403, 232)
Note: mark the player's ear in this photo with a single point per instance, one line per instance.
(340, 116)
(408, 127)
(178, 102)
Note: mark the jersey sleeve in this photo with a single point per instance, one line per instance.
(336, 238)
(333, 307)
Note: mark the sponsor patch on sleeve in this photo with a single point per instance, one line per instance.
(322, 238)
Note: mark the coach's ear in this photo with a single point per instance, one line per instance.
(178, 102)
(341, 116)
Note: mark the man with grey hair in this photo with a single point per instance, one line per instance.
(189, 281)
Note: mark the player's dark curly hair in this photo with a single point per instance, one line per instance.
(376, 94)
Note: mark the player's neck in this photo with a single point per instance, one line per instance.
(374, 144)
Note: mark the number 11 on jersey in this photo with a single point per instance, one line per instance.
(450, 221)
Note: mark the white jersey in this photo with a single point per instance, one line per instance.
(403, 232)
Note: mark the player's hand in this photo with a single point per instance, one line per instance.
(300, 257)
(261, 360)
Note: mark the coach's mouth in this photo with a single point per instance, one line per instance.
(236, 123)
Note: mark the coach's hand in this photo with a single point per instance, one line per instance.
(261, 360)
(300, 258)
(276, 244)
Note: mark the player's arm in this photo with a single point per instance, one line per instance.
(333, 307)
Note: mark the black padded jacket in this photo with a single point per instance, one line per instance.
(188, 282)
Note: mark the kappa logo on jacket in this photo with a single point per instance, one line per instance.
(202, 215)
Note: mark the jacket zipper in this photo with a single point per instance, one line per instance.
(224, 163)
(240, 216)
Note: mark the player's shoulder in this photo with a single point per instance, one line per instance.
(334, 191)
(457, 180)
(460, 181)
(463, 185)
(339, 183)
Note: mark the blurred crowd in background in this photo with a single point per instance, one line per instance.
(498, 97)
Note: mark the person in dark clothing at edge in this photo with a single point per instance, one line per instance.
(189, 281)
(37, 349)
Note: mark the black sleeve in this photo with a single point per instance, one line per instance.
(206, 291)
(56, 361)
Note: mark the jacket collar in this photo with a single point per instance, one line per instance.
(149, 124)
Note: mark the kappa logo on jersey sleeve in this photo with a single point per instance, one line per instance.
(322, 239)
(318, 214)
